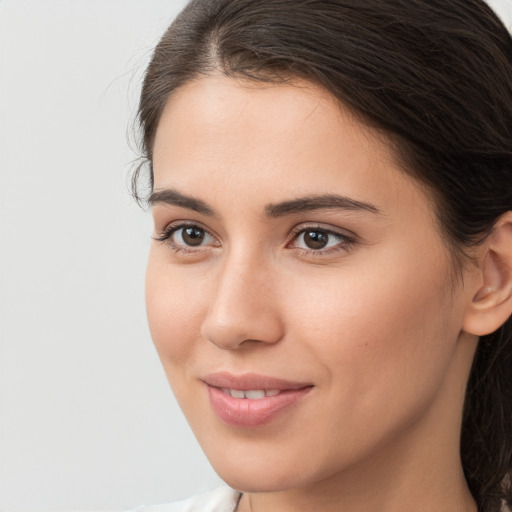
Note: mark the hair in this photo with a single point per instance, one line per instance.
(435, 76)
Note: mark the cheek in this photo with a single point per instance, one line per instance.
(379, 330)
(175, 307)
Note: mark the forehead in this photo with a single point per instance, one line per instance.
(251, 140)
(235, 110)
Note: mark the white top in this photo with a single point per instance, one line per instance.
(223, 499)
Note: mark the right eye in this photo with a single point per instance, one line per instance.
(186, 236)
(191, 236)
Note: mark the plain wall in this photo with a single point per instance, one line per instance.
(87, 421)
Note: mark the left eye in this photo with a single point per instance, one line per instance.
(317, 239)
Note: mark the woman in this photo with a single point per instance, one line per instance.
(330, 283)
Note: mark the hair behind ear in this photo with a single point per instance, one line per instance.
(486, 442)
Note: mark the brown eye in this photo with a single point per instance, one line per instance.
(321, 241)
(192, 236)
(315, 239)
(188, 236)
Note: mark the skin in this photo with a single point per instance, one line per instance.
(374, 320)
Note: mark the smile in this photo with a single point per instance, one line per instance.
(252, 400)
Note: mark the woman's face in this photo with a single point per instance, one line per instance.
(300, 295)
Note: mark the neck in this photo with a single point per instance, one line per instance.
(384, 483)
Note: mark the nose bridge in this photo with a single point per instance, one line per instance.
(243, 306)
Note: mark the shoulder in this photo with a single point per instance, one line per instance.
(223, 499)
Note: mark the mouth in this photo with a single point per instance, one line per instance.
(252, 400)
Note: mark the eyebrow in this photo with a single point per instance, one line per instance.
(322, 202)
(301, 204)
(173, 197)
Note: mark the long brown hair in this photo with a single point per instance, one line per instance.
(436, 77)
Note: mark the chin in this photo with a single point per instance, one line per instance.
(264, 472)
(249, 481)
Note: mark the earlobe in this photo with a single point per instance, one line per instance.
(491, 304)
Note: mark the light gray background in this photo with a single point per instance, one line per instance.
(86, 418)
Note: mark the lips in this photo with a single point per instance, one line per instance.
(252, 400)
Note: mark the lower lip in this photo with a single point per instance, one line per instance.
(246, 412)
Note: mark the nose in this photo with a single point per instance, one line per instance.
(244, 307)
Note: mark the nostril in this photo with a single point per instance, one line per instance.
(245, 329)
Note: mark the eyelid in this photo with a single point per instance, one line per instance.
(342, 232)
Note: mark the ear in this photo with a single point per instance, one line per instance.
(491, 304)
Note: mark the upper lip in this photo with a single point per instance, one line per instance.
(250, 381)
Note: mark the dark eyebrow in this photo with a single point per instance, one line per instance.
(171, 196)
(301, 204)
(311, 203)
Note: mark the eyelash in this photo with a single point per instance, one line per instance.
(346, 241)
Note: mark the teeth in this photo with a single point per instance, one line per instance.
(252, 394)
(255, 394)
